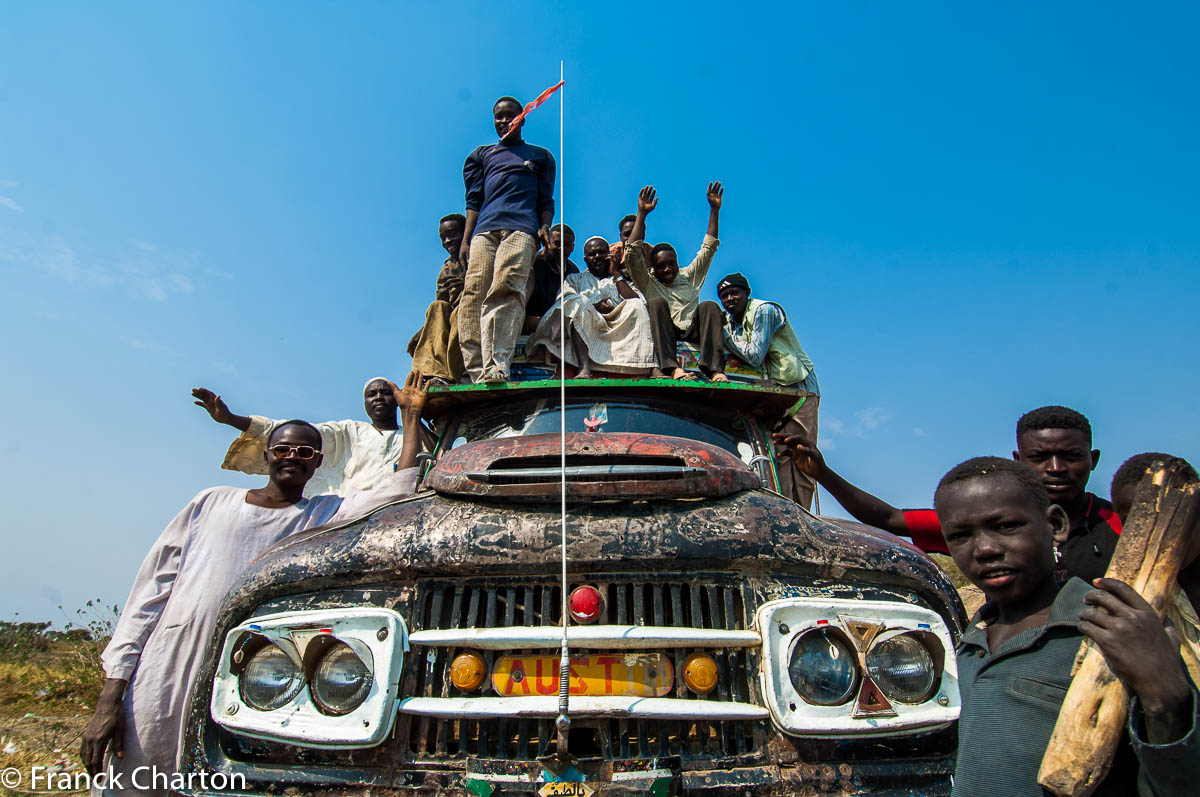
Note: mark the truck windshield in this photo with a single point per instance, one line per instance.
(719, 426)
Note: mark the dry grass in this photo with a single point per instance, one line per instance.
(48, 685)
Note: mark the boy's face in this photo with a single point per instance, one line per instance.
(999, 536)
(626, 228)
(1061, 457)
(666, 266)
(734, 300)
(503, 114)
(451, 234)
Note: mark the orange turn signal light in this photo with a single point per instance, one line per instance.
(700, 673)
(468, 670)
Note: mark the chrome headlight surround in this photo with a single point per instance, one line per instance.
(378, 636)
(865, 623)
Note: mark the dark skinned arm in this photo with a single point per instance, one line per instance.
(219, 411)
(1138, 651)
(107, 726)
(715, 193)
(635, 262)
(545, 217)
(411, 401)
(464, 249)
(865, 507)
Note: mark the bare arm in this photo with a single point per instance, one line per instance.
(218, 409)
(411, 401)
(715, 194)
(107, 726)
(464, 250)
(865, 507)
(635, 261)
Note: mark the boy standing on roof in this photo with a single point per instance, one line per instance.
(673, 293)
(510, 204)
(759, 334)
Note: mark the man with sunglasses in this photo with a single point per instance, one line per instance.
(357, 455)
(162, 637)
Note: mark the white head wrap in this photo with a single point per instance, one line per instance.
(367, 384)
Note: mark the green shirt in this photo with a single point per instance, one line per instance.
(1010, 701)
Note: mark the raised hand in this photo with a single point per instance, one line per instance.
(411, 398)
(715, 192)
(647, 199)
(211, 402)
(804, 453)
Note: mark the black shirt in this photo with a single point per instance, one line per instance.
(544, 284)
(1090, 545)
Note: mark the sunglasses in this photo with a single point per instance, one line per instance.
(301, 452)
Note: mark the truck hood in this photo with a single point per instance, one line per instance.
(598, 466)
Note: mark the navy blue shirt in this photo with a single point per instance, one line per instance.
(509, 186)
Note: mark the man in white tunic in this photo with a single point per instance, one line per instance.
(358, 455)
(161, 639)
(607, 329)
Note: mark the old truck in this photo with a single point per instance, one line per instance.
(721, 638)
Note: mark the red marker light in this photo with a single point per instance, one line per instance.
(585, 604)
(822, 622)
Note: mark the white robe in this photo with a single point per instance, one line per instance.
(619, 341)
(357, 456)
(162, 637)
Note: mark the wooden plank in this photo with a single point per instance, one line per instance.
(1148, 558)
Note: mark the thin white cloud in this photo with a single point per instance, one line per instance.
(150, 346)
(226, 368)
(11, 204)
(145, 246)
(919, 432)
(870, 419)
(9, 184)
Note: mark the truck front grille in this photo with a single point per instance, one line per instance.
(699, 601)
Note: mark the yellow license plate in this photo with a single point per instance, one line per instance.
(636, 674)
(561, 788)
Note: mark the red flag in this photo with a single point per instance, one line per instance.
(545, 95)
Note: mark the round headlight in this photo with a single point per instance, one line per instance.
(823, 668)
(270, 679)
(341, 681)
(903, 669)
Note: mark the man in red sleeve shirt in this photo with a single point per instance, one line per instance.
(1055, 441)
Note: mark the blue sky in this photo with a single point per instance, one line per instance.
(969, 211)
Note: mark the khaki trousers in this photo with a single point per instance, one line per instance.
(792, 482)
(492, 307)
(435, 350)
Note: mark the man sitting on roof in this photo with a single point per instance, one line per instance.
(673, 293)
(434, 349)
(606, 329)
(544, 279)
(357, 455)
(1055, 441)
(758, 333)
